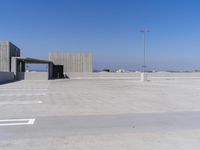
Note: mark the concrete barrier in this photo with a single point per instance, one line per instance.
(174, 75)
(131, 75)
(102, 75)
(32, 76)
(6, 77)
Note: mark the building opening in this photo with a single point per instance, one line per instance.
(58, 71)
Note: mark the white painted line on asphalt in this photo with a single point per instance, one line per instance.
(39, 102)
(31, 121)
(20, 102)
(23, 94)
(21, 89)
(16, 122)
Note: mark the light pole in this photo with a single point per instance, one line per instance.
(144, 31)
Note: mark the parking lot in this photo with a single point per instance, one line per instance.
(100, 114)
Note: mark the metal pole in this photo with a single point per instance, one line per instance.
(144, 31)
(144, 50)
(143, 76)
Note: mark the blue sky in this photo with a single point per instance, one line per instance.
(107, 28)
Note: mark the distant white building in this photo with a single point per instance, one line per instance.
(121, 70)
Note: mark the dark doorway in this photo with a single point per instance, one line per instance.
(58, 71)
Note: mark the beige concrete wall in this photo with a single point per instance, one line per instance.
(102, 75)
(72, 62)
(7, 50)
(6, 77)
(174, 75)
(32, 76)
(110, 75)
(4, 56)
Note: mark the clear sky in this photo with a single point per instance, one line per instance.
(107, 28)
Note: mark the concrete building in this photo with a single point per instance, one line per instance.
(71, 62)
(59, 63)
(18, 68)
(14, 65)
(7, 51)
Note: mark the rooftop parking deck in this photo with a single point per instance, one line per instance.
(101, 114)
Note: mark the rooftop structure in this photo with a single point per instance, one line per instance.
(7, 51)
(59, 63)
(72, 62)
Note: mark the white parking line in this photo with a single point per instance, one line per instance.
(21, 89)
(16, 122)
(23, 94)
(20, 102)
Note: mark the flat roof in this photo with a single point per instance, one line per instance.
(33, 60)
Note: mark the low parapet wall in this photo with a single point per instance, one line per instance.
(32, 76)
(6, 77)
(174, 75)
(102, 75)
(131, 75)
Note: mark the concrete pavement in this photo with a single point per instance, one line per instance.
(103, 124)
(101, 114)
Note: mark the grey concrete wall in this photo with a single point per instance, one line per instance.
(14, 65)
(6, 77)
(72, 62)
(174, 75)
(50, 70)
(32, 75)
(7, 51)
(20, 76)
(4, 56)
(102, 75)
(110, 75)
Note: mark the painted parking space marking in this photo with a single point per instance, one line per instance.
(16, 122)
(20, 102)
(21, 89)
(22, 94)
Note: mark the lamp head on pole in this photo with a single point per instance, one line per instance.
(144, 30)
